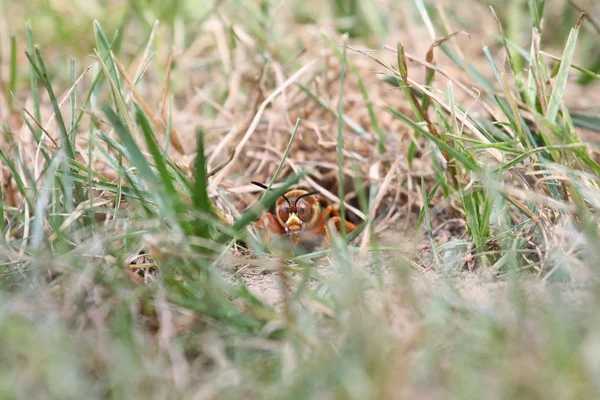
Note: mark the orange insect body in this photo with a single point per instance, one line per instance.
(298, 214)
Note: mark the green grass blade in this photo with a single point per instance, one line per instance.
(132, 149)
(364, 92)
(200, 200)
(563, 74)
(264, 203)
(591, 122)
(138, 78)
(285, 155)
(165, 176)
(349, 122)
(45, 78)
(104, 49)
(427, 219)
(166, 190)
(8, 163)
(34, 82)
(73, 99)
(41, 205)
(536, 18)
(2, 216)
(12, 74)
(465, 159)
(340, 142)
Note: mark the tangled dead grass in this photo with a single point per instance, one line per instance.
(248, 107)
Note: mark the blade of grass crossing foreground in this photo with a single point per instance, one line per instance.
(563, 73)
(402, 68)
(200, 199)
(536, 11)
(511, 113)
(137, 158)
(364, 92)
(253, 212)
(429, 58)
(72, 132)
(285, 155)
(2, 224)
(34, 85)
(73, 99)
(71, 190)
(154, 149)
(340, 141)
(533, 75)
(109, 67)
(26, 116)
(116, 89)
(169, 196)
(8, 163)
(588, 121)
(477, 213)
(439, 166)
(12, 74)
(91, 144)
(364, 201)
(425, 208)
(464, 158)
(453, 106)
(168, 128)
(135, 181)
(581, 151)
(40, 68)
(138, 78)
(351, 124)
(466, 66)
(91, 94)
(104, 49)
(41, 205)
(513, 62)
(427, 218)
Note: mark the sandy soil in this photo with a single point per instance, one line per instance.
(386, 275)
(479, 288)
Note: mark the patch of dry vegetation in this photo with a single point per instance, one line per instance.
(128, 263)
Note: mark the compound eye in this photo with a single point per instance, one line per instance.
(304, 211)
(283, 211)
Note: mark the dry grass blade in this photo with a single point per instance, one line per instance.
(81, 209)
(403, 74)
(166, 87)
(430, 72)
(157, 122)
(144, 57)
(238, 149)
(591, 19)
(372, 212)
(42, 128)
(326, 193)
(66, 96)
(555, 102)
(475, 94)
(439, 42)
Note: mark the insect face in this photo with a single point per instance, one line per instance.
(300, 211)
(296, 210)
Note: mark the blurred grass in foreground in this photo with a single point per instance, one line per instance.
(75, 320)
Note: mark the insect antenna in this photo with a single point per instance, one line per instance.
(306, 195)
(262, 185)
